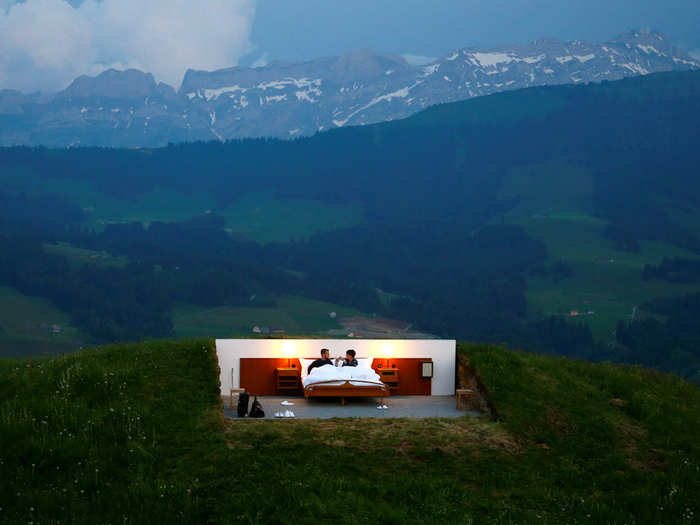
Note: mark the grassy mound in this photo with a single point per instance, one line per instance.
(119, 434)
(134, 433)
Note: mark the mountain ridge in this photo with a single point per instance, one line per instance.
(291, 99)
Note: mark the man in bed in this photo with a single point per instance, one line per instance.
(324, 360)
(349, 359)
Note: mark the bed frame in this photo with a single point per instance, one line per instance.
(323, 389)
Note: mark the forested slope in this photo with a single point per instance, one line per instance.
(492, 219)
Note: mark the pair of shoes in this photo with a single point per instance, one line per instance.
(286, 413)
(287, 403)
(382, 407)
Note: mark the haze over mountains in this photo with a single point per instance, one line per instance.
(288, 100)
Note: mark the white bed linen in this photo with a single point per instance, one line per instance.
(340, 375)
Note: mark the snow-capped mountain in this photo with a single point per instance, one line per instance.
(287, 100)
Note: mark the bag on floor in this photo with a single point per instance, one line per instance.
(243, 399)
(256, 410)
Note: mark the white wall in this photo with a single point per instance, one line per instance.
(442, 352)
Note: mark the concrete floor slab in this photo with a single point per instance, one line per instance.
(326, 408)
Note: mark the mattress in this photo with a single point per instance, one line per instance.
(330, 375)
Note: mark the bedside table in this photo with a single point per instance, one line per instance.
(287, 379)
(390, 377)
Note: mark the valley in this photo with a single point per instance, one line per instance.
(508, 218)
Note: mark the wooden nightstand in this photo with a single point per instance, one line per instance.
(390, 377)
(287, 379)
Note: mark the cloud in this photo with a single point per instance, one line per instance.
(418, 60)
(47, 43)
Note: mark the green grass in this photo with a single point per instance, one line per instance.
(258, 216)
(556, 207)
(109, 435)
(550, 188)
(22, 316)
(294, 314)
(77, 257)
(620, 441)
(263, 218)
(610, 289)
(135, 434)
(25, 326)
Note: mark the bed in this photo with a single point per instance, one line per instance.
(342, 382)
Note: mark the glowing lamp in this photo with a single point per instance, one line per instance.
(387, 350)
(288, 350)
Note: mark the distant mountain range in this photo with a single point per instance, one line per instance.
(288, 100)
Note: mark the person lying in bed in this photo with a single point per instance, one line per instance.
(325, 360)
(349, 359)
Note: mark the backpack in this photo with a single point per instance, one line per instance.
(243, 398)
(256, 410)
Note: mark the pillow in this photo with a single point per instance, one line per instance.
(364, 362)
(305, 363)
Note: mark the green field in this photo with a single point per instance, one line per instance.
(26, 326)
(26, 322)
(265, 219)
(136, 434)
(606, 282)
(77, 257)
(257, 216)
(556, 207)
(293, 314)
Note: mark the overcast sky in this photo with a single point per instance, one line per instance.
(44, 44)
(300, 29)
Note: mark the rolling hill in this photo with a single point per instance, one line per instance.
(135, 433)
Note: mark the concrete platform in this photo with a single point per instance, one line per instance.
(326, 408)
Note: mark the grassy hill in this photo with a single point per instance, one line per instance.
(135, 434)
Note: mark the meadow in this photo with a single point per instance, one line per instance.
(26, 326)
(605, 281)
(136, 434)
(26, 322)
(293, 314)
(258, 215)
(555, 205)
(77, 257)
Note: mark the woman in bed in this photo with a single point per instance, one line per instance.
(349, 359)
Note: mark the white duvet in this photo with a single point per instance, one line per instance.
(341, 374)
